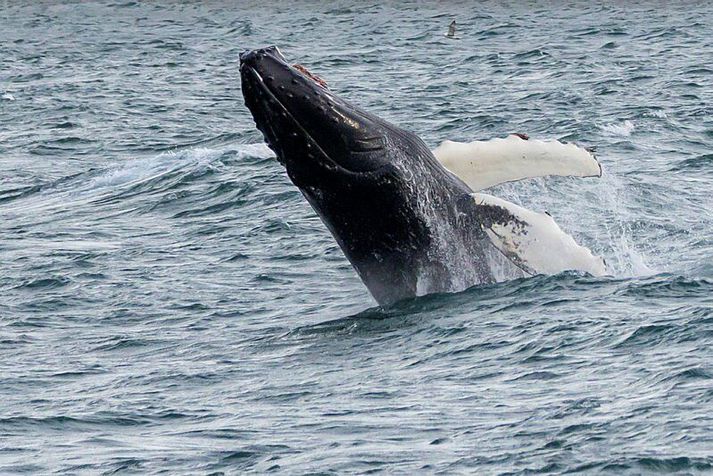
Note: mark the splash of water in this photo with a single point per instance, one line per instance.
(625, 260)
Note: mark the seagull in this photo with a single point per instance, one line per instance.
(451, 30)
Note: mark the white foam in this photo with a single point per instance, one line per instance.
(150, 167)
(132, 172)
(8, 97)
(657, 113)
(620, 129)
(139, 170)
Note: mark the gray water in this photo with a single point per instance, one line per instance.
(170, 303)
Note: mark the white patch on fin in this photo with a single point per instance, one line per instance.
(484, 164)
(533, 241)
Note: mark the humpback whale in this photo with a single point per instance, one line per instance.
(410, 220)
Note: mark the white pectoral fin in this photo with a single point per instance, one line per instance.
(533, 241)
(484, 164)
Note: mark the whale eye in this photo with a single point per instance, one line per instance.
(366, 144)
(365, 154)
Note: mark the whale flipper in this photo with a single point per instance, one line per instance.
(533, 241)
(484, 164)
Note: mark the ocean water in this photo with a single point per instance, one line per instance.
(169, 303)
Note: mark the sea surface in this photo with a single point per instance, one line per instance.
(169, 303)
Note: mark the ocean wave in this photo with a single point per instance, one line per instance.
(152, 174)
(169, 301)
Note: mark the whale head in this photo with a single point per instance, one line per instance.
(315, 133)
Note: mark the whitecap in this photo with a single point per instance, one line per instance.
(657, 113)
(151, 167)
(90, 185)
(620, 129)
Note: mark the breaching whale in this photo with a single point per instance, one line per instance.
(410, 220)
